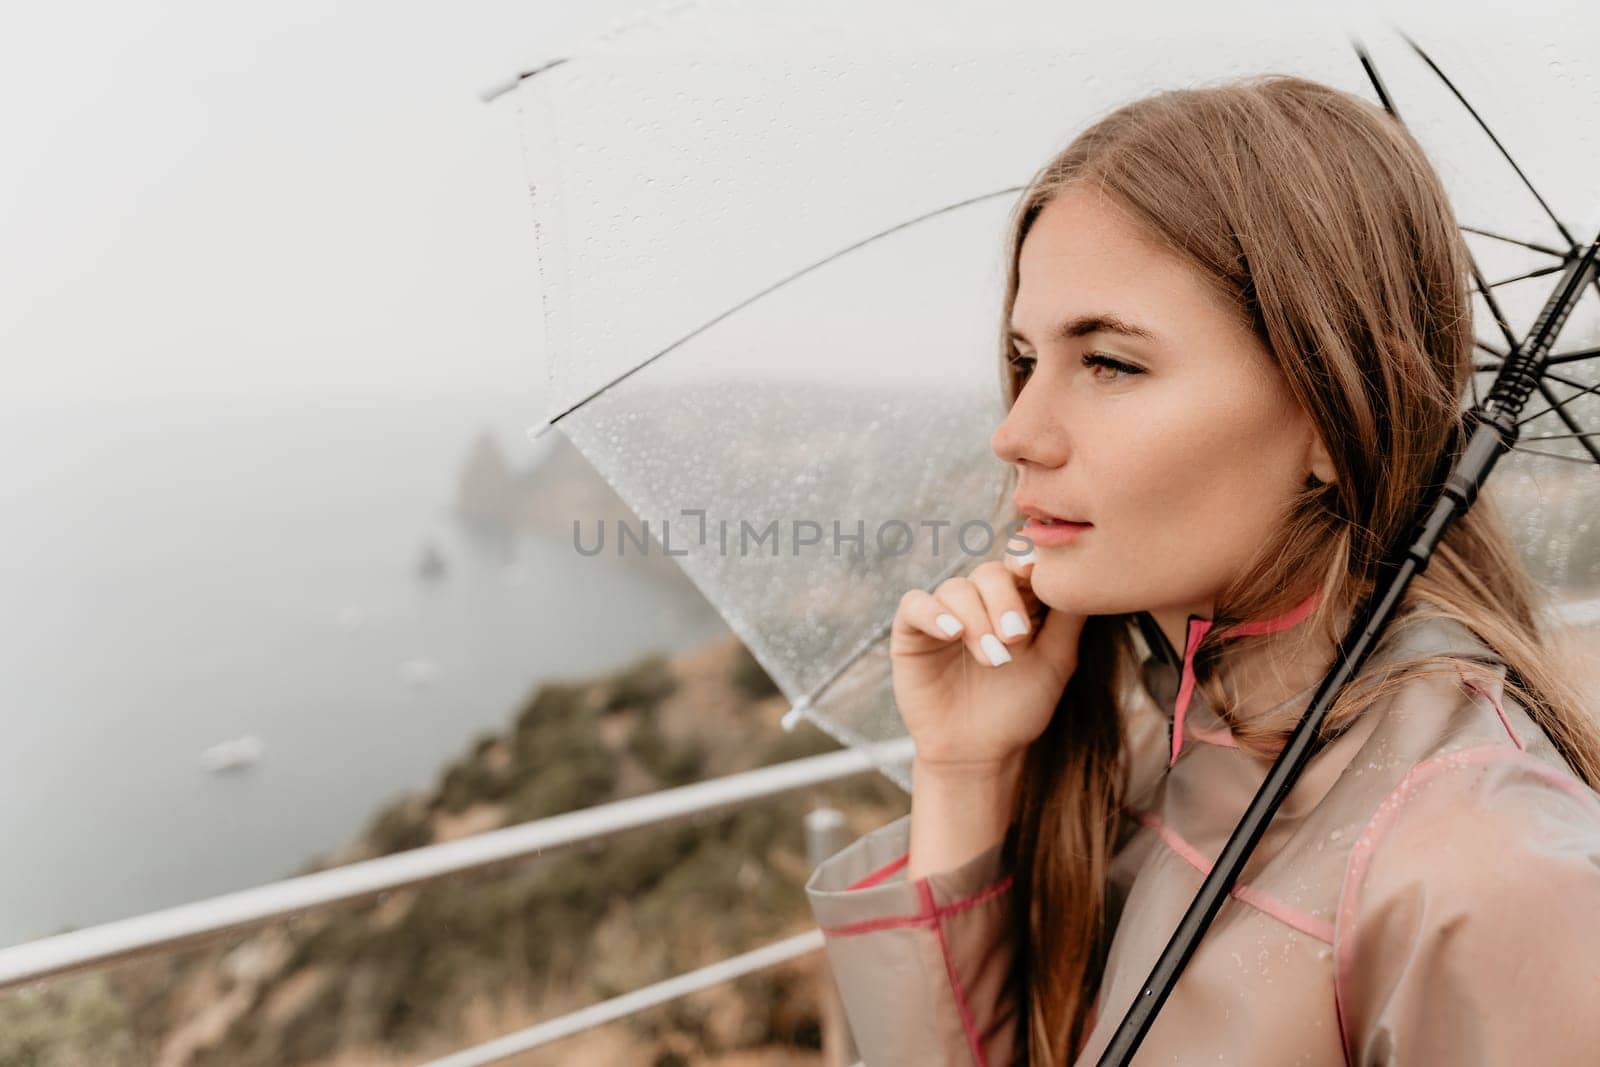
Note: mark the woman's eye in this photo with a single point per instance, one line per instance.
(1023, 366)
(1123, 370)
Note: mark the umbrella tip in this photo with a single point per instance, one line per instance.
(792, 717)
(490, 93)
(493, 92)
(536, 432)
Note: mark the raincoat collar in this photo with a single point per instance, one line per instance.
(1197, 630)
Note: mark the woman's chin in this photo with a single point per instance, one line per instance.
(1061, 593)
(1064, 592)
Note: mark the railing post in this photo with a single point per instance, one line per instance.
(825, 835)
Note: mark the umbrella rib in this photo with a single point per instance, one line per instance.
(1478, 368)
(1563, 436)
(495, 92)
(1572, 242)
(1389, 105)
(1580, 386)
(868, 643)
(1564, 380)
(1566, 417)
(1533, 245)
(1377, 82)
(1556, 219)
(1537, 273)
(1484, 126)
(741, 305)
(1553, 455)
(1494, 305)
(1583, 390)
(1573, 357)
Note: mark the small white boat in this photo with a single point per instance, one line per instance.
(233, 753)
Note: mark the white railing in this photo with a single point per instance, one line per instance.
(233, 912)
(622, 1006)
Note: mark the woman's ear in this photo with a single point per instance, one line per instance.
(1318, 461)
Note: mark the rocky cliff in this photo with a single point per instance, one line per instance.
(424, 971)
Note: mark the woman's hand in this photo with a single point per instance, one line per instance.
(968, 716)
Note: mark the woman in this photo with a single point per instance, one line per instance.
(1237, 328)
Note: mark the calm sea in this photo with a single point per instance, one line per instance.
(182, 571)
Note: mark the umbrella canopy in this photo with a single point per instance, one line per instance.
(772, 279)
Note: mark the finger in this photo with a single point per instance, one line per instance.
(1018, 562)
(921, 619)
(1021, 569)
(963, 600)
(1008, 611)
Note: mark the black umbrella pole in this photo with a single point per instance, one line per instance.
(1493, 429)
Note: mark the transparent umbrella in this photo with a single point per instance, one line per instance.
(772, 286)
(771, 273)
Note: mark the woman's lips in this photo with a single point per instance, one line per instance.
(1052, 534)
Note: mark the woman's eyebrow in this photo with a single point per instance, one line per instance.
(1084, 325)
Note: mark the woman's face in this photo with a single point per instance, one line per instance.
(1183, 452)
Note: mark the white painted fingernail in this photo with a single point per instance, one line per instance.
(949, 624)
(1012, 624)
(994, 650)
(1027, 558)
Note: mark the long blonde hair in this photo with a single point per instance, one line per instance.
(1322, 220)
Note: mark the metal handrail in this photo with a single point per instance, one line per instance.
(626, 1004)
(234, 912)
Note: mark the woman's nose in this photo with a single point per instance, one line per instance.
(1029, 431)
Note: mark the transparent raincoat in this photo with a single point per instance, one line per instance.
(1429, 893)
